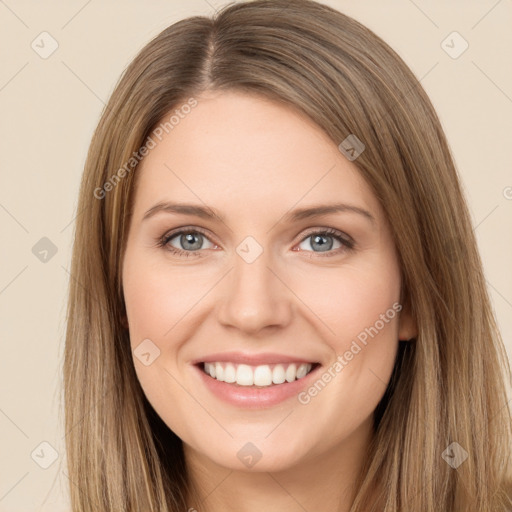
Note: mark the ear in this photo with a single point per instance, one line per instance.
(407, 328)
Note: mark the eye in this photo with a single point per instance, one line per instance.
(325, 240)
(189, 242)
(185, 242)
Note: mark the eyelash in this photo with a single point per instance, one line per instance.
(348, 243)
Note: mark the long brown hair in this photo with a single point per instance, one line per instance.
(449, 383)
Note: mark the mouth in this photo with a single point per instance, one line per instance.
(257, 382)
(260, 376)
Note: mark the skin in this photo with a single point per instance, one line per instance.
(254, 160)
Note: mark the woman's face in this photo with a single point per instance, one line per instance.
(265, 284)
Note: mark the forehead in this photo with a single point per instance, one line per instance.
(244, 153)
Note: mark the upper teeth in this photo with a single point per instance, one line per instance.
(264, 375)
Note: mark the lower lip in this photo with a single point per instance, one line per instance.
(254, 397)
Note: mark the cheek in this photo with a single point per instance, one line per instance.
(344, 302)
(157, 301)
(157, 297)
(162, 303)
(357, 312)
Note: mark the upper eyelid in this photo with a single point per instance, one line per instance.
(179, 231)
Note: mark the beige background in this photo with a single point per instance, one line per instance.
(49, 108)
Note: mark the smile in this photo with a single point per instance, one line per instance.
(257, 376)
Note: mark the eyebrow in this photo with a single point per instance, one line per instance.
(295, 215)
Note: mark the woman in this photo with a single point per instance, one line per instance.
(249, 370)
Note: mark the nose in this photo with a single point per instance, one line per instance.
(255, 297)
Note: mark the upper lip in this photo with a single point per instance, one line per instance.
(251, 359)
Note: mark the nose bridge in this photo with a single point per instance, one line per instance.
(254, 297)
